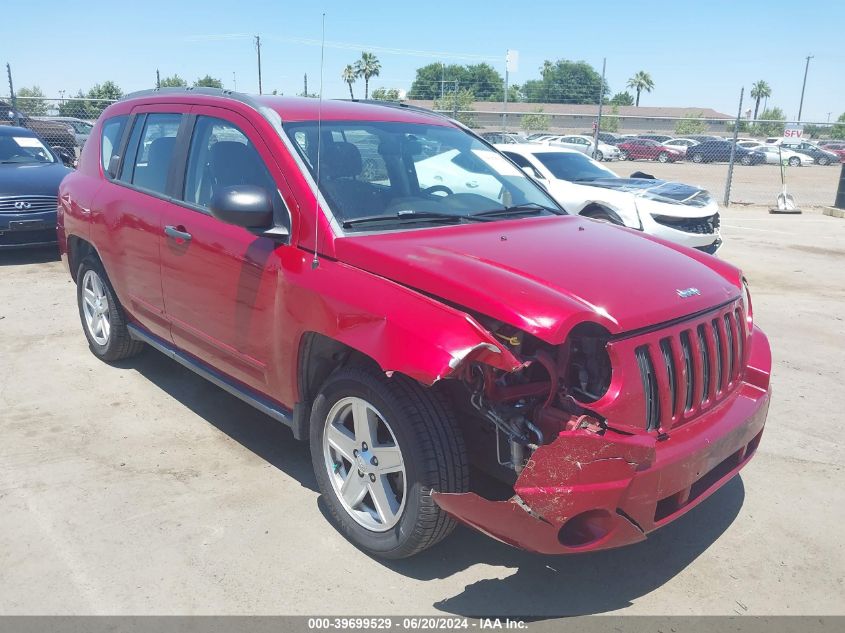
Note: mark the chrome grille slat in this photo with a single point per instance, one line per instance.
(36, 204)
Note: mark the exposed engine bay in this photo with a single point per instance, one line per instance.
(520, 411)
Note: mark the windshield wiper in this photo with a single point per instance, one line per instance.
(409, 216)
(529, 208)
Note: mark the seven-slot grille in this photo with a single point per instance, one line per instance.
(27, 204)
(687, 372)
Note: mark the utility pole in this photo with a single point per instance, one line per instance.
(601, 103)
(733, 150)
(258, 50)
(12, 95)
(235, 80)
(158, 79)
(804, 85)
(305, 86)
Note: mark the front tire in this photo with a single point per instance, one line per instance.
(794, 162)
(663, 157)
(698, 157)
(823, 161)
(103, 318)
(599, 156)
(745, 160)
(379, 446)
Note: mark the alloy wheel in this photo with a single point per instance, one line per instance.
(95, 307)
(364, 464)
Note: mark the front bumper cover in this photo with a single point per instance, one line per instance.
(586, 492)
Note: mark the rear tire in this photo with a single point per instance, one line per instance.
(745, 160)
(698, 157)
(406, 419)
(823, 161)
(794, 162)
(663, 157)
(103, 318)
(599, 156)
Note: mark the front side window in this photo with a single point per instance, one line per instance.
(112, 133)
(222, 156)
(154, 153)
(398, 172)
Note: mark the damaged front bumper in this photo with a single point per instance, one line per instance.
(586, 492)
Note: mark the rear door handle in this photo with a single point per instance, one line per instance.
(178, 233)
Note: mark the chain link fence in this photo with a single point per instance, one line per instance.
(64, 124)
(645, 138)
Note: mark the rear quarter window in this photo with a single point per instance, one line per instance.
(110, 143)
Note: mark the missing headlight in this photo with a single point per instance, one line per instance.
(588, 371)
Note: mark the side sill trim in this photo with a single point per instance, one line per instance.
(265, 405)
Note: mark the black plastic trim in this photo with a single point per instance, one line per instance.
(260, 402)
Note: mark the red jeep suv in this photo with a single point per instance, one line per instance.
(451, 342)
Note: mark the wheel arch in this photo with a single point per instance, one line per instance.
(78, 248)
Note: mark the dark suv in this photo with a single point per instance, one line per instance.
(409, 301)
(720, 151)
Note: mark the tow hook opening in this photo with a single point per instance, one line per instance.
(586, 528)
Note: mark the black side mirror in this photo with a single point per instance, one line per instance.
(639, 174)
(243, 205)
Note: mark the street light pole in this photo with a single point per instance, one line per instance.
(804, 85)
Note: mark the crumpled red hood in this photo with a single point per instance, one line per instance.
(544, 275)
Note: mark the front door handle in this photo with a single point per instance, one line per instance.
(178, 233)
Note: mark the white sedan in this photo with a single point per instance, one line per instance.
(673, 211)
(680, 144)
(584, 144)
(776, 155)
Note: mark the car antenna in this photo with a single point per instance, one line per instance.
(316, 261)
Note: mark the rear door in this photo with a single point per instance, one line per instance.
(220, 280)
(127, 218)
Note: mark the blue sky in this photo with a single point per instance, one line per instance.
(699, 53)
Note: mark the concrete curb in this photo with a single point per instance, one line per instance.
(834, 212)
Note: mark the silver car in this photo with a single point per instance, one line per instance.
(585, 145)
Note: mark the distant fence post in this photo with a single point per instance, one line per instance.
(733, 150)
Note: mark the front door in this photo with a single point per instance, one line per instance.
(220, 280)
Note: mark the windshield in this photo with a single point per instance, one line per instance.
(24, 149)
(392, 173)
(573, 167)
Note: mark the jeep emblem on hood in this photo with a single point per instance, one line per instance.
(688, 292)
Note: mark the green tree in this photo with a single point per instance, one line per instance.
(694, 124)
(31, 101)
(536, 121)
(565, 81)
(174, 81)
(459, 105)
(386, 94)
(349, 75)
(208, 82)
(838, 129)
(770, 122)
(367, 67)
(622, 98)
(639, 82)
(610, 123)
(76, 107)
(102, 96)
(759, 90)
(483, 80)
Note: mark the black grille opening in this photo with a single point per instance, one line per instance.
(666, 350)
(701, 226)
(740, 338)
(729, 333)
(650, 388)
(720, 356)
(705, 362)
(686, 349)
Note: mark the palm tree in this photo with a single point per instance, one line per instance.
(349, 75)
(641, 81)
(546, 70)
(760, 90)
(366, 67)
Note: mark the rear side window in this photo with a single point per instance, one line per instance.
(222, 156)
(154, 153)
(110, 144)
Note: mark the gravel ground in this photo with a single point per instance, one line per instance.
(811, 185)
(142, 489)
